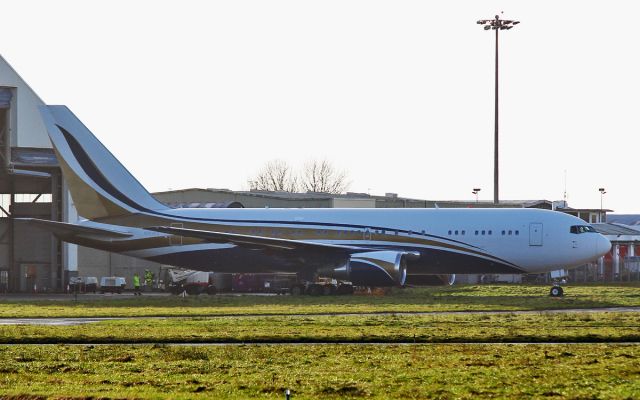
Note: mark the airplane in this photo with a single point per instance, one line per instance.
(368, 247)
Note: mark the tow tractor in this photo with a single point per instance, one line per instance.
(190, 281)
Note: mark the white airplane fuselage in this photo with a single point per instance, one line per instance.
(449, 240)
(372, 247)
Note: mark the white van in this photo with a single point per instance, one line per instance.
(113, 284)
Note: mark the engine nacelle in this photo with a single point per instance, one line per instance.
(431, 279)
(374, 268)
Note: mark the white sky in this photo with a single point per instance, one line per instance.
(397, 93)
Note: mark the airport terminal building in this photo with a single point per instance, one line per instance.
(31, 185)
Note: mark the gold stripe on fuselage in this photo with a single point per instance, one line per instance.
(264, 229)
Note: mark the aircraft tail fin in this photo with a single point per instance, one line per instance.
(100, 185)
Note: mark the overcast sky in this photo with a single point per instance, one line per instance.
(397, 93)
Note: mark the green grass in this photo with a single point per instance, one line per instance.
(455, 298)
(321, 371)
(424, 368)
(443, 328)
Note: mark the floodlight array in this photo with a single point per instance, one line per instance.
(497, 23)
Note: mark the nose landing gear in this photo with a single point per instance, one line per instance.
(556, 291)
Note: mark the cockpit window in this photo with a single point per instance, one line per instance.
(577, 229)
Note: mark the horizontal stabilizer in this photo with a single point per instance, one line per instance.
(259, 241)
(63, 229)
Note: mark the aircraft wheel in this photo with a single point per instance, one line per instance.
(194, 290)
(556, 291)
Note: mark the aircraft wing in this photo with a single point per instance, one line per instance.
(259, 241)
(63, 229)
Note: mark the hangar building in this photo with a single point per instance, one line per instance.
(30, 186)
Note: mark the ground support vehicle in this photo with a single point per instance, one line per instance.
(112, 284)
(323, 287)
(190, 282)
(83, 284)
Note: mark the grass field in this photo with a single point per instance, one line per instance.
(433, 362)
(322, 371)
(450, 298)
(460, 328)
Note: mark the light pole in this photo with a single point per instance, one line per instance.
(496, 24)
(602, 193)
(476, 191)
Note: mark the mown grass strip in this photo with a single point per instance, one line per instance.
(455, 298)
(459, 328)
(321, 372)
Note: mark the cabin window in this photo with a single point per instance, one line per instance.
(483, 232)
(463, 232)
(517, 233)
(510, 232)
(503, 232)
(456, 233)
(477, 233)
(449, 232)
(490, 232)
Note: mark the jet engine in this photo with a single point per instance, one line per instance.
(374, 268)
(431, 279)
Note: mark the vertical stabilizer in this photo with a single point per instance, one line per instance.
(100, 186)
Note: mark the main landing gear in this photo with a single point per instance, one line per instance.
(556, 291)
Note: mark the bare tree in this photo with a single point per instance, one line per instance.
(275, 176)
(322, 177)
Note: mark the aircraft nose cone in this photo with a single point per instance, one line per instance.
(603, 245)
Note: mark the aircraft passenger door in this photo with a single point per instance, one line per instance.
(535, 234)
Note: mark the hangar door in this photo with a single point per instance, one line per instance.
(535, 234)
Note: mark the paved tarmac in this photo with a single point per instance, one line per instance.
(105, 296)
(71, 296)
(52, 321)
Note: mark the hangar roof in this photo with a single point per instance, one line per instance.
(626, 219)
(325, 196)
(616, 229)
(29, 130)
(312, 199)
(618, 233)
